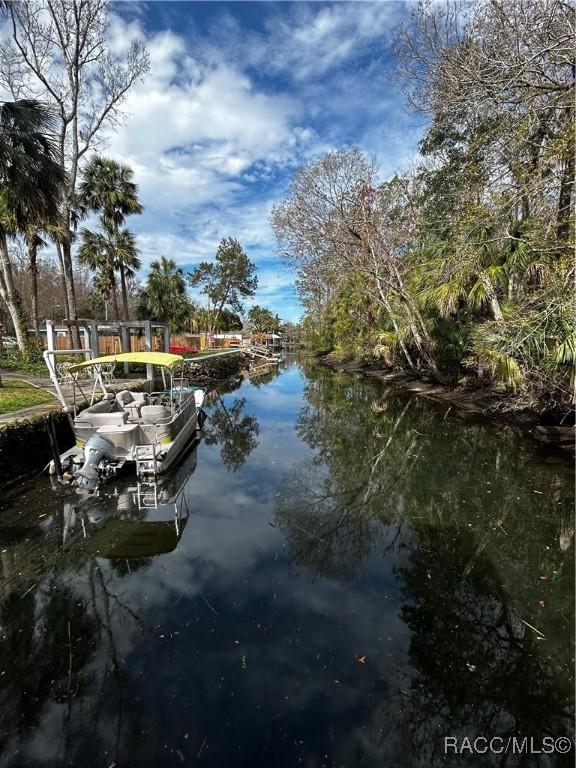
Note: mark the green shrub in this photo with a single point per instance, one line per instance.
(20, 362)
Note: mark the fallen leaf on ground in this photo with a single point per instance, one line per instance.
(362, 659)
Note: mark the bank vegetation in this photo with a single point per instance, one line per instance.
(463, 267)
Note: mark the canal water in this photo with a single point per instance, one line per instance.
(336, 576)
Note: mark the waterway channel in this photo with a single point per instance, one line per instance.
(336, 576)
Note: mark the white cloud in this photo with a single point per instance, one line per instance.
(272, 282)
(194, 238)
(219, 106)
(200, 138)
(228, 111)
(305, 41)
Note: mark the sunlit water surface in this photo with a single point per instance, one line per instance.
(335, 576)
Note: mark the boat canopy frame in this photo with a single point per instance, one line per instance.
(163, 359)
(172, 367)
(166, 361)
(50, 355)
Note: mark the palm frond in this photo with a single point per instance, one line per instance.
(565, 352)
(31, 173)
(489, 345)
(507, 370)
(444, 297)
(477, 296)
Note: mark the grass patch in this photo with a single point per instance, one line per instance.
(15, 395)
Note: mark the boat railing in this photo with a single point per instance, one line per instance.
(176, 405)
(86, 423)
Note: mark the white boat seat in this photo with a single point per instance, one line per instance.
(103, 406)
(125, 397)
(151, 414)
(99, 419)
(131, 402)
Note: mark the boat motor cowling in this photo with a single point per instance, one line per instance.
(99, 463)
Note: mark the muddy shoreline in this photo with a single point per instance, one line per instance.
(480, 403)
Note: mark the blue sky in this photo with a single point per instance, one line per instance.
(239, 96)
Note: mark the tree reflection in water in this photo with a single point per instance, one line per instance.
(58, 637)
(65, 625)
(232, 430)
(482, 550)
(438, 549)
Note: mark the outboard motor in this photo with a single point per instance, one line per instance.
(99, 463)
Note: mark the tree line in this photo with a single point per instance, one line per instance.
(225, 283)
(464, 264)
(67, 87)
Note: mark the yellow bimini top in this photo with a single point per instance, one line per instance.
(165, 359)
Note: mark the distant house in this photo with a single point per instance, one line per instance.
(273, 340)
(266, 339)
(196, 342)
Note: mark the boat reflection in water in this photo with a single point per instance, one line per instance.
(139, 519)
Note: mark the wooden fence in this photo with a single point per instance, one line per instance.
(110, 345)
(198, 342)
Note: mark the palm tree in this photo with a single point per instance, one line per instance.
(31, 179)
(34, 242)
(164, 297)
(97, 252)
(107, 186)
(201, 320)
(126, 261)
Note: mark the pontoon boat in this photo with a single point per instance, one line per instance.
(147, 429)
